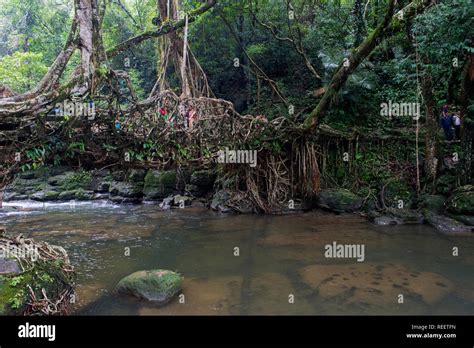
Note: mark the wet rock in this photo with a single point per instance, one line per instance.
(84, 195)
(204, 296)
(158, 286)
(339, 200)
(193, 189)
(67, 195)
(119, 175)
(136, 175)
(447, 225)
(385, 220)
(9, 266)
(179, 200)
(44, 196)
(99, 196)
(125, 189)
(166, 203)
(81, 195)
(159, 184)
(58, 180)
(124, 200)
(461, 201)
(219, 201)
(203, 180)
(406, 216)
(100, 185)
(465, 219)
(13, 196)
(27, 175)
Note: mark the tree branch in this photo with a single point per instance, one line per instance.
(389, 26)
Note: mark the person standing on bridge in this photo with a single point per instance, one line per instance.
(446, 122)
(457, 125)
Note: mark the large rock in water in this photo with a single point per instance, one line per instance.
(461, 201)
(447, 225)
(339, 200)
(159, 185)
(158, 286)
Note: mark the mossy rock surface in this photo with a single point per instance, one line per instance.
(339, 200)
(461, 201)
(44, 196)
(158, 286)
(136, 175)
(125, 189)
(45, 275)
(433, 203)
(203, 178)
(159, 184)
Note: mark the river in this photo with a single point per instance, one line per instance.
(253, 264)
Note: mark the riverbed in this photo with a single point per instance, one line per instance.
(253, 264)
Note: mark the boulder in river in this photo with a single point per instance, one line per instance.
(159, 184)
(158, 286)
(219, 201)
(447, 225)
(124, 192)
(202, 181)
(339, 200)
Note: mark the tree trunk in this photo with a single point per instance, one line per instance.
(390, 25)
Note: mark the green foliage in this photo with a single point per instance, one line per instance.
(21, 71)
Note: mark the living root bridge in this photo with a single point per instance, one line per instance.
(46, 283)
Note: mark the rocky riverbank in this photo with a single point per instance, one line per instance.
(179, 188)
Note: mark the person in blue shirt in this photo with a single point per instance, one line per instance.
(446, 122)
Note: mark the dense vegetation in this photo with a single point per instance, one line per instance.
(325, 66)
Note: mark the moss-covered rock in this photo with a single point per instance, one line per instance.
(339, 200)
(219, 201)
(76, 180)
(159, 184)
(461, 201)
(125, 189)
(433, 203)
(203, 178)
(44, 196)
(158, 286)
(47, 271)
(136, 175)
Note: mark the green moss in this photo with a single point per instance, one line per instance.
(168, 178)
(14, 291)
(154, 285)
(74, 181)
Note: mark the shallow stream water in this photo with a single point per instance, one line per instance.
(281, 267)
